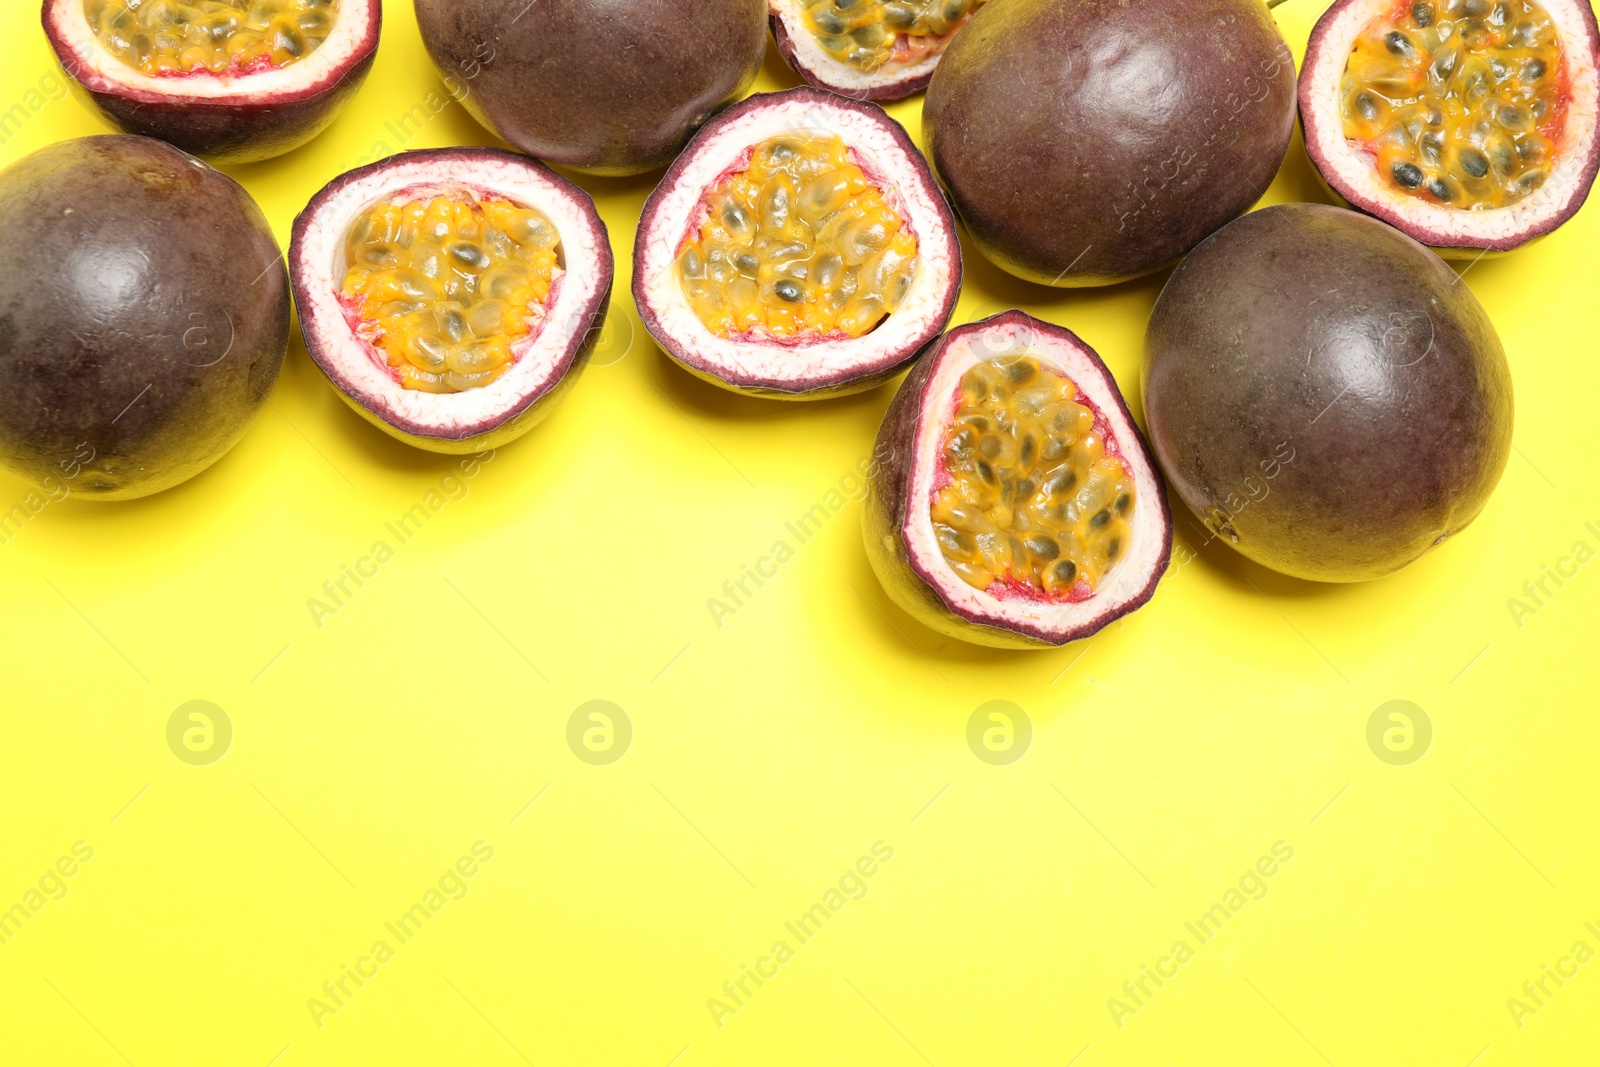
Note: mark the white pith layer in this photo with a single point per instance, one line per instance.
(885, 160)
(539, 359)
(839, 75)
(1354, 173)
(1128, 580)
(101, 71)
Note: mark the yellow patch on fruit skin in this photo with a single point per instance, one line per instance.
(799, 244)
(221, 36)
(446, 286)
(1033, 498)
(1459, 102)
(866, 34)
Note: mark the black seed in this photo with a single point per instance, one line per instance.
(1432, 144)
(788, 291)
(1066, 570)
(1439, 188)
(1422, 14)
(1397, 42)
(828, 22)
(1099, 519)
(1124, 501)
(986, 472)
(900, 16)
(1043, 547)
(1533, 70)
(1021, 371)
(470, 254)
(1366, 107)
(1113, 549)
(1026, 451)
(1474, 162)
(734, 217)
(1025, 488)
(1407, 174)
(1061, 483)
(747, 263)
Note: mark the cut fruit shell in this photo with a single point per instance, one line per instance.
(898, 526)
(1351, 173)
(796, 367)
(546, 362)
(223, 118)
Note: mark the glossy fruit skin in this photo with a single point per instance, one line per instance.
(1325, 393)
(1086, 142)
(603, 86)
(144, 318)
(231, 132)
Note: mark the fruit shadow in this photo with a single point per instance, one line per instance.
(698, 399)
(1194, 546)
(774, 69)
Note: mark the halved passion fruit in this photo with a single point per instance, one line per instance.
(231, 81)
(867, 49)
(1468, 124)
(798, 248)
(1013, 501)
(452, 296)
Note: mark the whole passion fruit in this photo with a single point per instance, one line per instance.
(603, 86)
(1325, 393)
(1012, 501)
(868, 49)
(799, 248)
(144, 319)
(1086, 142)
(452, 296)
(232, 81)
(1468, 124)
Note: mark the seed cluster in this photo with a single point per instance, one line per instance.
(445, 286)
(1460, 101)
(1034, 500)
(180, 36)
(869, 33)
(800, 244)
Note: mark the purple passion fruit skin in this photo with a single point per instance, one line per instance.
(822, 41)
(1086, 142)
(245, 113)
(144, 321)
(610, 87)
(1325, 394)
(429, 287)
(1039, 598)
(1514, 87)
(834, 227)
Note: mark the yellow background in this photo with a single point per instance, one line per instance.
(1168, 754)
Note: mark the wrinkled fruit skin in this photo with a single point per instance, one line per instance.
(144, 319)
(603, 86)
(1086, 142)
(228, 133)
(1325, 393)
